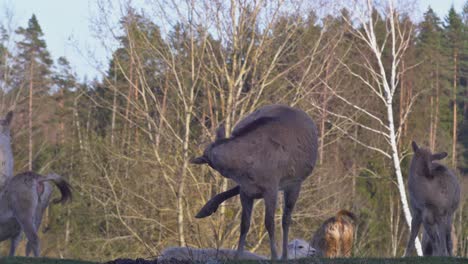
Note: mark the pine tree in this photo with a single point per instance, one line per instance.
(33, 67)
(429, 51)
(453, 37)
(64, 80)
(463, 134)
(4, 59)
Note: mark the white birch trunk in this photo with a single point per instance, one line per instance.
(398, 48)
(396, 164)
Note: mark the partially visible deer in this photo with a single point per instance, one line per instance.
(434, 193)
(6, 153)
(21, 208)
(23, 198)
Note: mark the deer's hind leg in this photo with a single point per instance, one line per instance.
(270, 198)
(24, 209)
(247, 205)
(15, 240)
(290, 198)
(30, 230)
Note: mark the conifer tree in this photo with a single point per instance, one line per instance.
(429, 51)
(453, 37)
(64, 80)
(33, 67)
(464, 90)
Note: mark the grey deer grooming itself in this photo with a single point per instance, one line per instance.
(274, 148)
(434, 196)
(23, 198)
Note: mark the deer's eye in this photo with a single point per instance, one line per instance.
(301, 247)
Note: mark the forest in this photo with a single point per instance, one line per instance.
(372, 77)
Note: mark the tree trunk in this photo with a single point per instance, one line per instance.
(403, 100)
(432, 115)
(62, 124)
(454, 134)
(77, 123)
(436, 117)
(323, 118)
(114, 107)
(396, 164)
(431, 124)
(180, 190)
(30, 151)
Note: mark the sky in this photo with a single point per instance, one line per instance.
(68, 28)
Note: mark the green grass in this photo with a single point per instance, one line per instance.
(24, 260)
(412, 260)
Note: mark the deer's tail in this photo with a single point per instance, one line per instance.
(62, 184)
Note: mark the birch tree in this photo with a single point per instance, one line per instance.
(379, 70)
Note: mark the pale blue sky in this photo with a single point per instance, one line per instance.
(67, 26)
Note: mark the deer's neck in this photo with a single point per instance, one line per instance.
(228, 158)
(6, 160)
(419, 168)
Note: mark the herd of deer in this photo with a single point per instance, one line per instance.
(272, 149)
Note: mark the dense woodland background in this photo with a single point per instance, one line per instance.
(123, 140)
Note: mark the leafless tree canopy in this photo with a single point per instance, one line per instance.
(369, 74)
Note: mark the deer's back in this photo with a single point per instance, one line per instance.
(287, 141)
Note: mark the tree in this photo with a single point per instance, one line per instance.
(33, 66)
(64, 81)
(380, 74)
(429, 52)
(463, 135)
(454, 43)
(4, 59)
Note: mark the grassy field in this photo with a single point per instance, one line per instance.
(412, 260)
(24, 260)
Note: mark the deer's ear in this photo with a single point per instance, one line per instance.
(439, 156)
(199, 160)
(415, 146)
(220, 132)
(8, 118)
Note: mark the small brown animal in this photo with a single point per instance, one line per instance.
(335, 236)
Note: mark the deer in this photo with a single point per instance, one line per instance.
(272, 149)
(434, 193)
(24, 197)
